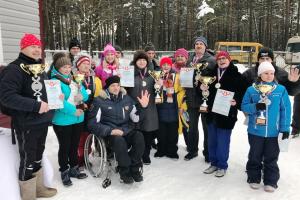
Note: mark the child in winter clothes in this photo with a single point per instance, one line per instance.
(168, 112)
(109, 64)
(263, 139)
(68, 121)
(92, 85)
(220, 126)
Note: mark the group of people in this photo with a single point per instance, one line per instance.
(158, 106)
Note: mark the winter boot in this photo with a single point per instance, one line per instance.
(136, 173)
(28, 189)
(41, 190)
(75, 173)
(65, 177)
(125, 175)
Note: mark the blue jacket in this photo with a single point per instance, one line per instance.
(66, 115)
(278, 113)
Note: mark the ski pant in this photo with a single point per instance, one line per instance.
(263, 155)
(218, 146)
(68, 139)
(134, 141)
(167, 138)
(148, 137)
(31, 144)
(193, 134)
(296, 112)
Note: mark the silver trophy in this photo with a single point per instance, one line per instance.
(206, 81)
(157, 75)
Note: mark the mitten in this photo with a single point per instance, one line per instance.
(285, 135)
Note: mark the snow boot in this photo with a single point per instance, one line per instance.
(75, 173)
(125, 175)
(136, 173)
(28, 189)
(41, 190)
(66, 178)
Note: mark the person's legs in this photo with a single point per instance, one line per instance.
(162, 140)
(255, 156)
(271, 154)
(296, 116)
(193, 134)
(205, 137)
(212, 144)
(223, 144)
(148, 139)
(172, 140)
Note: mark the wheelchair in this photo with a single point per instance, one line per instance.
(99, 159)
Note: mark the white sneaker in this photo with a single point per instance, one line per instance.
(254, 186)
(220, 173)
(210, 170)
(269, 188)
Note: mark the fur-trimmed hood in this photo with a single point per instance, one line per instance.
(104, 94)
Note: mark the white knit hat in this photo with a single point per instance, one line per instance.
(265, 66)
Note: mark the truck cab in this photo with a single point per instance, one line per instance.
(292, 55)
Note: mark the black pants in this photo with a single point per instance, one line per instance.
(167, 138)
(68, 139)
(31, 147)
(296, 112)
(148, 137)
(120, 145)
(263, 155)
(193, 134)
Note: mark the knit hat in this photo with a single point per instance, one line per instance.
(29, 40)
(265, 52)
(165, 60)
(109, 49)
(118, 48)
(60, 59)
(110, 80)
(265, 66)
(74, 43)
(139, 55)
(149, 47)
(201, 39)
(182, 52)
(223, 54)
(81, 59)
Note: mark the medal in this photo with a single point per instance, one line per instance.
(218, 85)
(144, 83)
(268, 102)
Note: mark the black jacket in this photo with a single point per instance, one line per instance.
(108, 112)
(16, 94)
(232, 81)
(281, 75)
(150, 123)
(193, 97)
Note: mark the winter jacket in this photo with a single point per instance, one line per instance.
(193, 97)
(66, 115)
(150, 123)
(281, 75)
(232, 81)
(154, 65)
(16, 94)
(278, 113)
(103, 74)
(110, 112)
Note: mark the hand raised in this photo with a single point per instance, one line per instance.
(294, 74)
(144, 99)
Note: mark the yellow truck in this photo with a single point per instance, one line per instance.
(240, 51)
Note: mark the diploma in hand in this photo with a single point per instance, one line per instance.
(53, 90)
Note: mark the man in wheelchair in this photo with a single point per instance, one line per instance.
(114, 116)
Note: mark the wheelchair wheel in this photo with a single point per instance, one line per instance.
(95, 155)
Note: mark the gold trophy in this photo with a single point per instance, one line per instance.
(199, 67)
(35, 70)
(206, 81)
(264, 89)
(79, 78)
(157, 75)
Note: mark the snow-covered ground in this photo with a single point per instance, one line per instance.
(168, 179)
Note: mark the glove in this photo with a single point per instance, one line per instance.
(285, 135)
(260, 106)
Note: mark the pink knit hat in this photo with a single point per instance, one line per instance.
(182, 52)
(109, 49)
(29, 40)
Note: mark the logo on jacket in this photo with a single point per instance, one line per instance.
(126, 108)
(109, 108)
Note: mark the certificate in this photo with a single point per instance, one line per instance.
(126, 76)
(187, 77)
(53, 90)
(222, 102)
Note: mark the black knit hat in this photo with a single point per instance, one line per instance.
(149, 47)
(139, 55)
(74, 43)
(118, 48)
(110, 80)
(60, 59)
(265, 52)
